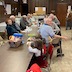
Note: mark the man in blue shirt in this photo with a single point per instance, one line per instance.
(46, 31)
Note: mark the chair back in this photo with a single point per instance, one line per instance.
(56, 40)
(34, 68)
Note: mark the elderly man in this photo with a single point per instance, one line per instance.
(55, 28)
(29, 19)
(33, 20)
(46, 31)
(54, 19)
(15, 25)
(23, 22)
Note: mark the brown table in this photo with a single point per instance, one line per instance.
(15, 59)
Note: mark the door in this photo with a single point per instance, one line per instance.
(24, 9)
(62, 12)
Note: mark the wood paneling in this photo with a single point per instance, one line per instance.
(61, 13)
(37, 3)
(14, 11)
(50, 4)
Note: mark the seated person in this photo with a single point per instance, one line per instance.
(35, 47)
(29, 19)
(15, 25)
(46, 31)
(54, 19)
(10, 29)
(55, 28)
(33, 20)
(23, 22)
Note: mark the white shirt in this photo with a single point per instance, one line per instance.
(34, 50)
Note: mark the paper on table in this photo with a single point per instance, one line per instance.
(27, 30)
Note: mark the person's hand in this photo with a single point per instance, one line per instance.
(64, 37)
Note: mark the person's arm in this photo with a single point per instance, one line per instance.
(22, 25)
(17, 27)
(62, 37)
(33, 50)
(56, 28)
(57, 21)
(52, 34)
(11, 30)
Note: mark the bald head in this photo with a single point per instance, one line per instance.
(24, 17)
(49, 21)
(12, 17)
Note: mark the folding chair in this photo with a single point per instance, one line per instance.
(56, 41)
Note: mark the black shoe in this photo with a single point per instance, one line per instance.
(60, 55)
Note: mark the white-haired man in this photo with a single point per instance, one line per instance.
(23, 22)
(46, 31)
(54, 19)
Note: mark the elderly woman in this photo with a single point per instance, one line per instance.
(10, 29)
(15, 25)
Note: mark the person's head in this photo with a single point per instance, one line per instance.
(8, 21)
(24, 17)
(12, 17)
(29, 16)
(52, 16)
(49, 21)
(38, 36)
(38, 44)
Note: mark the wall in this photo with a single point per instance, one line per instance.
(50, 4)
(13, 11)
(37, 3)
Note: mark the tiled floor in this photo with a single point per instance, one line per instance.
(63, 64)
